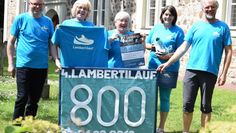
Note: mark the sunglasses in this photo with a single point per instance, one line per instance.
(36, 4)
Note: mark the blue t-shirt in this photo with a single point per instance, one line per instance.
(75, 22)
(165, 39)
(115, 58)
(33, 36)
(82, 46)
(208, 41)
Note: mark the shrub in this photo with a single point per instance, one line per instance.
(31, 125)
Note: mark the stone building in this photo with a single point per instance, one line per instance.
(144, 14)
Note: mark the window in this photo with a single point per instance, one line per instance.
(232, 13)
(153, 11)
(95, 11)
(98, 12)
(25, 6)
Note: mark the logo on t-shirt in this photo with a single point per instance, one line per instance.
(82, 40)
(83, 43)
(216, 34)
(44, 28)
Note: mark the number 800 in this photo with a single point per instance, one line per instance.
(84, 105)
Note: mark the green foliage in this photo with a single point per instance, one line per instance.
(32, 126)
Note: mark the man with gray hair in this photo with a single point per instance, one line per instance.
(208, 39)
(32, 32)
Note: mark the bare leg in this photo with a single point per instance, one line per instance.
(163, 116)
(187, 119)
(205, 118)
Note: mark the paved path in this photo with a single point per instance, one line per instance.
(228, 87)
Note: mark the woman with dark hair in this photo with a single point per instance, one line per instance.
(162, 41)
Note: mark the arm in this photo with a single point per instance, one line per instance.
(149, 46)
(54, 53)
(176, 56)
(165, 57)
(10, 47)
(227, 60)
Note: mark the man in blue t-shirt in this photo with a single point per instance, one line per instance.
(208, 39)
(31, 32)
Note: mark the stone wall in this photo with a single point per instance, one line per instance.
(232, 71)
(125, 5)
(10, 16)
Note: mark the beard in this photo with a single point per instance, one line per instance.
(209, 16)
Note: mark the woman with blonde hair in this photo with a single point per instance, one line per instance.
(80, 12)
(122, 23)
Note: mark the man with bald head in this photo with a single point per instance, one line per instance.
(31, 32)
(208, 39)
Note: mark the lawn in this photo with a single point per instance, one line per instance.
(224, 105)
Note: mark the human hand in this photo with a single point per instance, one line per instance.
(113, 37)
(143, 35)
(221, 80)
(162, 68)
(11, 70)
(58, 63)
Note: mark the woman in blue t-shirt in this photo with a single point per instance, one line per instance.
(162, 41)
(79, 12)
(122, 23)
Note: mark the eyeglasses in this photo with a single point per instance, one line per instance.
(36, 4)
(84, 8)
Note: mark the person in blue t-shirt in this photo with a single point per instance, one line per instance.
(32, 32)
(122, 24)
(208, 39)
(115, 36)
(162, 41)
(79, 12)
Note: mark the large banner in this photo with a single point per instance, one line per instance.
(108, 100)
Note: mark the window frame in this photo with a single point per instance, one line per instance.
(159, 5)
(229, 14)
(99, 18)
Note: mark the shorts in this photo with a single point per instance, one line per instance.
(194, 80)
(167, 79)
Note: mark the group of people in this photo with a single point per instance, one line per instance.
(165, 44)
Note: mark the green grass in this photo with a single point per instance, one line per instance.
(48, 109)
(224, 109)
(224, 105)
